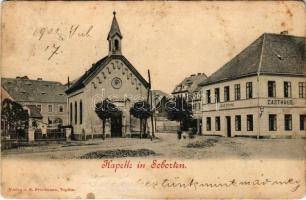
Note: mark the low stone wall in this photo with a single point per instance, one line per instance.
(166, 126)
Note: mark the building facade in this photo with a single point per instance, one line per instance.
(45, 100)
(114, 78)
(260, 92)
(190, 90)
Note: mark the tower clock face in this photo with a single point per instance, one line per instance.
(116, 83)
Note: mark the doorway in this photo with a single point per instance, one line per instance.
(116, 124)
(228, 126)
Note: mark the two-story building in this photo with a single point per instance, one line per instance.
(190, 90)
(260, 92)
(44, 99)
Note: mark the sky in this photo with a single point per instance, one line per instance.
(54, 40)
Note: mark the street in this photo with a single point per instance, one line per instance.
(168, 146)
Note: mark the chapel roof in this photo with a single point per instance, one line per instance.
(81, 82)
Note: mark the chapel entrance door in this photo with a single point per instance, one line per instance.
(116, 124)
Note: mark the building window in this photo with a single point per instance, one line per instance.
(208, 96)
(302, 89)
(226, 93)
(217, 124)
(237, 91)
(208, 123)
(116, 45)
(50, 108)
(71, 113)
(271, 89)
(272, 123)
(249, 90)
(302, 122)
(60, 108)
(81, 112)
(249, 122)
(49, 121)
(217, 95)
(238, 122)
(75, 113)
(38, 107)
(287, 89)
(288, 122)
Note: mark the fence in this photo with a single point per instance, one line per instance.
(52, 135)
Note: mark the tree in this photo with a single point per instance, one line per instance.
(14, 117)
(142, 111)
(179, 110)
(105, 110)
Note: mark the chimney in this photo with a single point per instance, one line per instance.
(284, 33)
(24, 77)
(68, 82)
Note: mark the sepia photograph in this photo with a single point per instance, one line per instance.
(157, 99)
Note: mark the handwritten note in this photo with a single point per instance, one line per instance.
(178, 183)
(55, 37)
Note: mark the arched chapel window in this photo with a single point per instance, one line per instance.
(81, 112)
(75, 113)
(71, 113)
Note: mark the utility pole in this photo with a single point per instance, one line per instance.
(151, 103)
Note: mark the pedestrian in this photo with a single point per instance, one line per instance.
(179, 134)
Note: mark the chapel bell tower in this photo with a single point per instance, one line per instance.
(114, 38)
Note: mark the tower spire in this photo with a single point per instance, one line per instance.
(114, 37)
(114, 28)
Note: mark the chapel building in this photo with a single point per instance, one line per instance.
(112, 77)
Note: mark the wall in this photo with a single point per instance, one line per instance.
(296, 107)
(259, 107)
(99, 87)
(46, 114)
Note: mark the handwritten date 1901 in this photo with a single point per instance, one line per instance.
(63, 33)
(56, 37)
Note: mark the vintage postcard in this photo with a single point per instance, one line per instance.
(153, 99)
